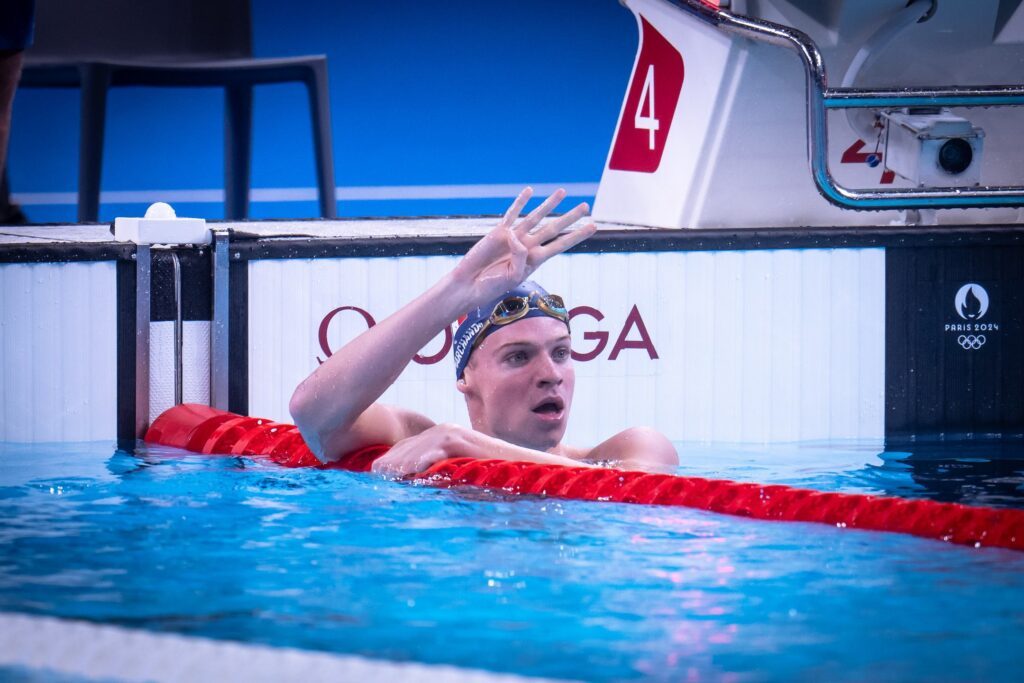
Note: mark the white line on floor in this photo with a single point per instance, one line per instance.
(304, 194)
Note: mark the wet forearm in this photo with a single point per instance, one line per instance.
(356, 375)
(473, 444)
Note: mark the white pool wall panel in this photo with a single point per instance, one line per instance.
(58, 351)
(752, 346)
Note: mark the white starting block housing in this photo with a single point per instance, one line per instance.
(713, 128)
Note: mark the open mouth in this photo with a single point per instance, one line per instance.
(550, 407)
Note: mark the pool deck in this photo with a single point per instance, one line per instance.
(356, 229)
(317, 238)
(92, 651)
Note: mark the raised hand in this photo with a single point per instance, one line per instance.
(516, 247)
(356, 375)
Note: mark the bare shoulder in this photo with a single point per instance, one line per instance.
(639, 447)
(380, 424)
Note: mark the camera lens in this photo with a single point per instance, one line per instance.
(955, 156)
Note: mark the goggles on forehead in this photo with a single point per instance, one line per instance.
(516, 307)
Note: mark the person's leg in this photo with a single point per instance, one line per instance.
(10, 73)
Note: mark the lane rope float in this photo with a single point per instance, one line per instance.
(202, 429)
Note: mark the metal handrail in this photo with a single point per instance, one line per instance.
(821, 98)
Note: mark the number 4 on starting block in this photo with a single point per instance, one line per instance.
(640, 139)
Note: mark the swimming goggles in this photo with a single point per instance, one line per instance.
(516, 307)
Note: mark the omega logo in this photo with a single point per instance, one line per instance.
(632, 335)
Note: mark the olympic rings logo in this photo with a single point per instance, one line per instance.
(969, 341)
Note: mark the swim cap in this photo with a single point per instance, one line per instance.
(474, 323)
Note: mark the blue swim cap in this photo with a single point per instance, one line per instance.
(474, 323)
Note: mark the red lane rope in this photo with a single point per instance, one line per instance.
(207, 430)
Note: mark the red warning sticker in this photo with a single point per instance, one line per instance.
(650, 104)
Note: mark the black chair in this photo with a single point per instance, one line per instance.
(97, 44)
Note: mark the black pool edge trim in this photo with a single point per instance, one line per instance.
(65, 252)
(247, 246)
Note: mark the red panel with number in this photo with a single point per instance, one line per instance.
(650, 104)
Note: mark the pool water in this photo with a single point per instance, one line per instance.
(238, 549)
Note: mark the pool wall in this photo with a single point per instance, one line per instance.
(58, 342)
(748, 345)
(717, 336)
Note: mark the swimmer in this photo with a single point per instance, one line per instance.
(512, 357)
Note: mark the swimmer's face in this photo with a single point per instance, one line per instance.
(519, 383)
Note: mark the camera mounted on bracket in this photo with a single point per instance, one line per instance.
(932, 147)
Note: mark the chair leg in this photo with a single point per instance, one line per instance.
(320, 109)
(95, 83)
(10, 213)
(237, 150)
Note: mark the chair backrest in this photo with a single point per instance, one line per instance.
(144, 30)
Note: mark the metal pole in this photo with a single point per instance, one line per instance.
(220, 334)
(143, 264)
(178, 331)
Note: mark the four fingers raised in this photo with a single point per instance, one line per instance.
(542, 241)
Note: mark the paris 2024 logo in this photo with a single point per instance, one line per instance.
(971, 305)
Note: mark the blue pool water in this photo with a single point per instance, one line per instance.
(237, 549)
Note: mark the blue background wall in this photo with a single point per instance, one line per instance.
(444, 93)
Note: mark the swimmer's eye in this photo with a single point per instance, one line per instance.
(517, 357)
(562, 353)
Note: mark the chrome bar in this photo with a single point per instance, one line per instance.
(980, 96)
(819, 98)
(219, 336)
(143, 269)
(178, 332)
